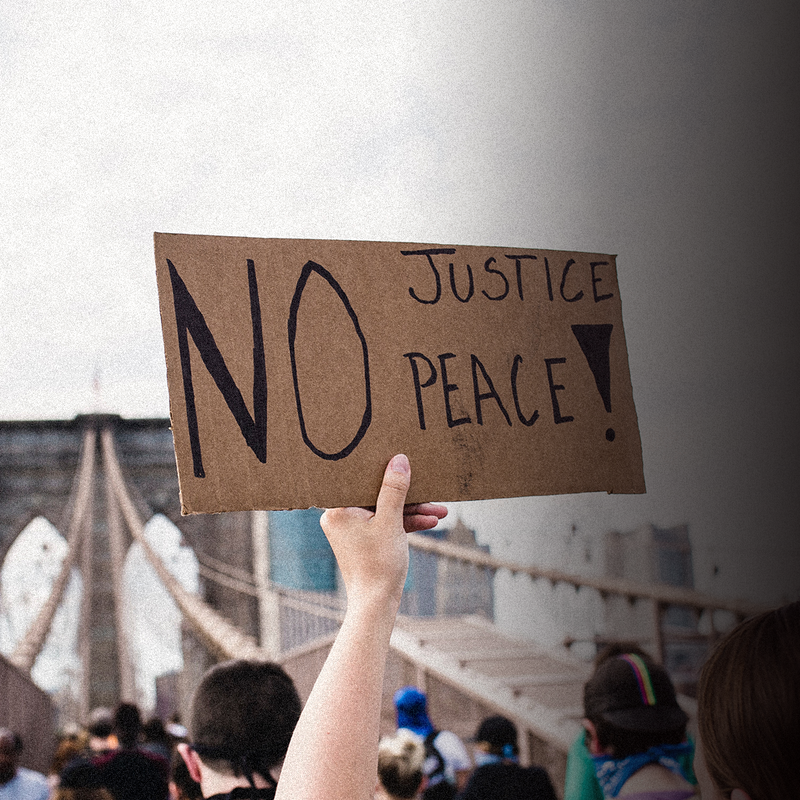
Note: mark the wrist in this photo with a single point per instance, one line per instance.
(373, 605)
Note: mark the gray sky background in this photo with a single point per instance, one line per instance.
(665, 132)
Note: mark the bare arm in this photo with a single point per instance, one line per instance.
(334, 750)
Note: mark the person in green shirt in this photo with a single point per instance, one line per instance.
(581, 780)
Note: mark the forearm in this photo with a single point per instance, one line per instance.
(334, 750)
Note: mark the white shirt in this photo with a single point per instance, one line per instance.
(25, 785)
(453, 753)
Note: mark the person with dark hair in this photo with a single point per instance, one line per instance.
(636, 730)
(129, 772)
(447, 763)
(498, 774)
(16, 782)
(156, 739)
(101, 731)
(748, 706)
(400, 761)
(333, 747)
(81, 782)
(242, 717)
(72, 744)
(581, 779)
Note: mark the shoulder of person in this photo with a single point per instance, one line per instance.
(32, 777)
(451, 748)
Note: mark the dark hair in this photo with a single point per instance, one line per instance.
(101, 723)
(749, 706)
(243, 716)
(154, 731)
(632, 703)
(626, 743)
(500, 734)
(127, 724)
(13, 737)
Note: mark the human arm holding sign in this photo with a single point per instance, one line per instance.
(333, 754)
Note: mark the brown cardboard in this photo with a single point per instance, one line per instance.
(500, 372)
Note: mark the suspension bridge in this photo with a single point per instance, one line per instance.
(100, 478)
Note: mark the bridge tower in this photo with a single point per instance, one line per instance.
(40, 476)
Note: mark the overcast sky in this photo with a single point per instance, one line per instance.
(664, 132)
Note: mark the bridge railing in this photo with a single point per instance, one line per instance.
(306, 615)
(657, 598)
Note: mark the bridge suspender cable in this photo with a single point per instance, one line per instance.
(29, 647)
(219, 635)
(127, 680)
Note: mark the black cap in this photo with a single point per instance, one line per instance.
(634, 694)
(497, 732)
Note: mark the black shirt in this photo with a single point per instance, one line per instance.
(507, 781)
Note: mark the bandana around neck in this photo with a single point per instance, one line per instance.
(612, 773)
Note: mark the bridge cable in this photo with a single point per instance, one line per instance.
(29, 647)
(127, 679)
(218, 634)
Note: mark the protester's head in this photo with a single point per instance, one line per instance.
(630, 706)
(155, 731)
(242, 717)
(100, 728)
(127, 724)
(412, 710)
(497, 736)
(749, 710)
(101, 723)
(68, 748)
(400, 760)
(81, 781)
(10, 749)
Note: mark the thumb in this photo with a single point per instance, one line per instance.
(392, 496)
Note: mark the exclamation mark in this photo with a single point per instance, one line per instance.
(595, 341)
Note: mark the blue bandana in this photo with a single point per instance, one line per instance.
(483, 758)
(612, 773)
(412, 711)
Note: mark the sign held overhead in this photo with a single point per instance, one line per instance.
(297, 368)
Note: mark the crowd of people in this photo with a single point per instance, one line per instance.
(248, 736)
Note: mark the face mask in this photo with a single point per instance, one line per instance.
(482, 757)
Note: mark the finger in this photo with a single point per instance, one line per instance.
(392, 496)
(426, 509)
(419, 522)
(337, 517)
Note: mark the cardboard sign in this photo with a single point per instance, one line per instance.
(297, 368)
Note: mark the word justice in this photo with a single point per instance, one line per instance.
(571, 280)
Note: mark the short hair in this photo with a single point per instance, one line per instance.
(13, 737)
(499, 734)
(749, 706)
(400, 760)
(243, 715)
(101, 723)
(127, 724)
